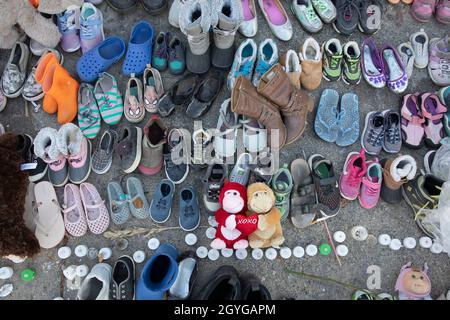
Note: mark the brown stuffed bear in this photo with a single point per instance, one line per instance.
(23, 14)
(261, 200)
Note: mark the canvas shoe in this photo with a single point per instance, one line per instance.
(282, 184)
(89, 119)
(422, 10)
(352, 63)
(370, 16)
(96, 284)
(129, 148)
(153, 89)
(139, 206)
(176, 155)
(394, 70)
(123, 279)
(109, 99)
(32, 164)
(277, 18)
(306, 15)
(161, 204)
(67, 25)
(396, 172)
(249, 25)
(226, 131)
(91, 27)
(73, 211)
(371, 185)
(412, 122)
(373, 135)
(327, 116)
(241, 170)
(439, 65)
(118, 203)
(212, 184)
(443, 11)
(325, 9)
(103, 156)
(189, 209)
(355, 168)
(134, 104)
(267, 57)
(372, 65)
(419, 42)
(155, 136)
(161, 51)
(244, 62)
(392, 142)
(311, 61)
(15, 72)
(332, 60)
(347, 18)
(406, 52)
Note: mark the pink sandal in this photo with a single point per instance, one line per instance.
(74, 216)
(412, 122)
(433, 112)
(97, 215)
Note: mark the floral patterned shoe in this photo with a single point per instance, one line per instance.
(394, 70)
(433, 112)
(74, 216)
(372, 64)
(96, 213)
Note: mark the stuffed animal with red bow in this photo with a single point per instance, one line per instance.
(233, 225)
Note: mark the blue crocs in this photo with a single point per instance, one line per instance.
(348, 121)
(100, 58)
(139, 53)
(159, 274)
(325, 124)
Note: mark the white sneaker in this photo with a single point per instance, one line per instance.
(96, 284)
(277, 18)
(244, 62)
(249, 27)
(292, 67)
(406, 52)
(241, 170)
(226, 133)
(419, 43)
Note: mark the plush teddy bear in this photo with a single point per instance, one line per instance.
(29, 19)
(233, 225)
(261, 200)
(413, 283)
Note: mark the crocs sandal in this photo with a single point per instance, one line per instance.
(118, 204)
(96, 213)
(153, 89)
(100, 58)
(326, 123)
(74, 216)
(205, 94)
(348, 122)
(412, 122)
(48, 220)
(139, 53)
(433, 112)
(138, 202)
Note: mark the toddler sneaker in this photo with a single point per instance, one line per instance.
(176, 56)
(267, 57)
(348, 120)
(443, 11)
(244, 62)
(225, 138)
(347, 18)
(372, 64)
(332, 60)
(355, 169)
(392, 141)
(161, 51)
(249, 26)
(176, 163)
(370, 12)
(91, 24)
(419, 42)
(241, 170)
(433, 112)
(88, 113)
(373, 135)
(311, 62)
(422, 10)
(412, 122)
(395, 72)
(103, 156)
(189, 209)
(396, 172)
(161, 204)
(282, 184)
(212, 184)
(109, 98)
(129, 148)
(406, 52)
(134, 104)
(153, 89)
(67, 25)
(439, 65)
(139, 207)
(371, 185)
(326, 122)
(352, 63)
(306, 15)
(291, 64)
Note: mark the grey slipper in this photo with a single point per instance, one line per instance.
(138, 202)
(161, 205)
(118, 204)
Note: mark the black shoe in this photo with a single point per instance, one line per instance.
(154, 7)
(123, 279)
(122, 5)
(224, 285)
(212, 184)
(370, 12)
(205, 94)
(33, 165)
(347, 18)
(254, 290)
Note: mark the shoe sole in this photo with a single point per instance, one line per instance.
(189, 230)
(137, 160)
(366, 121)
(90, 166)
(345, 166)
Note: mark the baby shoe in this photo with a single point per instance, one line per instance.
(395, 72)
(352, 63)
(412, 122)
(373, 134)
(443, 11)
(332, 60)
(67, 25)
(355, 169)
(109, 98)
(118, 204)
(88, 113)
(176, 56)
(372, 64)
(138, 202)
(134, 104)
(103, 156)
(267, 57)
(74, 215)
(406, 52)
(153, 89)
(161, 205)
(244, 62)
(139, 53)
(15, 72)
(392, 141)
(291, 64)
(311, 61)
(348, 120)
(371, 185)
(439, 66)
(419, 42)
(433, 112)
(326, 123)
(96, 213)
(91, 24)
(161, 51)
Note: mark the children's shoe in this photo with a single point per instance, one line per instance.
(325, 9)
(67, 25)
(370, 12)
(176, 164)
(406, 52)
(249, 26)
(326, 122)
(433, 112)
(74, 215)
(439, 65)
(291, 64)
(267, 57)
(176, 56)
(212, 184)
(444, 96)
(188, 272)
(422, 10)
(153, 89)
(371, 185)
(311, 61)
(88, 113)
(332, 60)
(139, 53)
(348, 120)
(96, 284)
(306, 15)
(205, 94)
(303, 199)
(241, 170)
(134, 103)
(373, 135)
(118, 203)
(123, 278)
(372, 64)
(3, 101)
(443, 11)
(419, 42)
(355, 168)
(161, 204)
(15, 72)
(129, 148)
(103, 156)
(347, 18)
(225, 137)
(244, 62)
(396, 172)
(392, 142)
(155, 136)
(154, 7)
(97, 215)
(277, 18)
(282, 185)
(109, 99)
(412, 122)
(189, 210)
(161, 51)
(91, 23)
(138, 202)
(395, 72)
(352, 63)
(254, 135)
(32, 164)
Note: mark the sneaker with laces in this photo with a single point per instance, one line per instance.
(282, 184)
(352, 63)
(306, 15)
(422, 10)
(443, 11)
(332, 60)
(267, 57)
(347, 18)
(226, 132)
(371, 185)
(244, 62)
(373, 134)
(109, 98)
(176, 155)
(189, 210)
(392, 139)
(91, 24)
(89, 119)
(355, 169)
(161, 205)
(67, 25)
(212, 184)
(370, 14)
(161, 51)
(35, 166)
(325, 9)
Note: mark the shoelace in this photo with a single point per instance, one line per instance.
(353, 181)
(311, 13)
(244, 69)
(319, 3)
(66, 21)
(393, 135)
(346, 7)
(371, 191)
(374, 138)
(107, 102)
(87, 30)
(336, 61)
(162, 204)
(189, 211)
(353, 65)
(88, 117)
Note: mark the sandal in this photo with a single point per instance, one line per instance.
(412, 122)
(433, 112)
(74, 216)
(96, 213)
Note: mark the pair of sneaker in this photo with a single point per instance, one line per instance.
(81, 27)
(382, 132)
(361, 179)
(312, 14)
(364, 15)
(102, 101)
(342, 61)
(169, 52)
(161, 205)
(339, 125)
(67, 153)
(252, 61)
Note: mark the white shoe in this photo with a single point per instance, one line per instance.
(277, 18)
(244, 62)
(419, 43)
(96, 284)
(249, 27)
(226, 133)
(254, 135)
(406, 52)
(174, 12)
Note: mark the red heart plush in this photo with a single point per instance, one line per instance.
(247, 225)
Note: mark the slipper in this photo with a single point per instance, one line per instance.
(326, 121)
(348, 121)
(48, 220)
(205, 94)
(96, 213)
(74, 215)
(139, 53)
(187, 273)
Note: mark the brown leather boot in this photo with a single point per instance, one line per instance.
(294, 104)
(245, 100)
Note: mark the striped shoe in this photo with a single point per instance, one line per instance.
(89, 119)
(109, 99)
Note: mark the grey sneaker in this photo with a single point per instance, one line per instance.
(392, 139)
(14, 75)
(138, 202)
(118, 204)
(103, 155)
(241, 170)
(129, 148)
(176, 156)
(282, 185)
(373, 134)
(161, 205)
(306, 15)
(212, 184)
(189, 210)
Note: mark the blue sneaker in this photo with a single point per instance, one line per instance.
(267, 57)
(326, 121)
(348, 122)
(91, 23)
(159, 274)
(160, 207)
(67, 25)
(244, 62)
(189, 209)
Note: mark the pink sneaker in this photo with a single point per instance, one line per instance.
(97, 215)
(422, 10)
(351, 177)
(412, 122)
(74, 216)
(371, 185)
(443, 11)
(433, 112)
